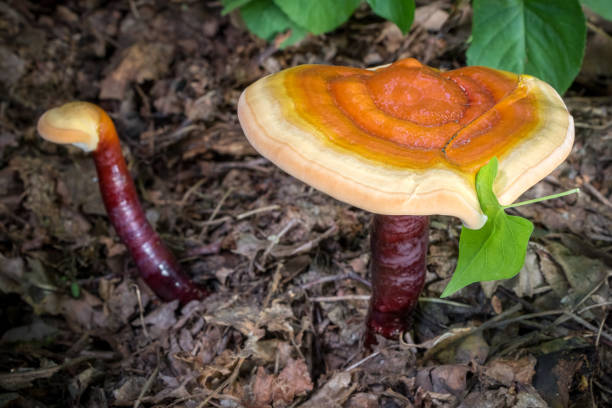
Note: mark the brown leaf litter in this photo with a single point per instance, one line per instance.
(288, 265)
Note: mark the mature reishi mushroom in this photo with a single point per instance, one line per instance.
(405, 141)
(87, 126)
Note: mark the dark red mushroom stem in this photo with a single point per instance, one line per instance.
(397, 268)
(156, 264)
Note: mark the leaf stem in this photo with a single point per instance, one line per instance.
(548, 197)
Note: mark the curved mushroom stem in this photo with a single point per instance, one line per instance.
(89, 127)
(397, 268)
(156, 264)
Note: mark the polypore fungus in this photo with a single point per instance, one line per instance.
(89, 127)
(405, 141)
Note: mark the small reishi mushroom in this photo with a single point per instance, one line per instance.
(89, 127)
(405, 141)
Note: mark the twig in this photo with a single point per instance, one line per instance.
(603, 126)
(10, 380)
(360, 362)
(591, 189)
(354, 276)
(589, 294)
(306, 246)
(393, 394)
(273, 286)
(224, 384)
(581, 311)
(134, 10)
(221, 220)
(275, 238)
(589, 326)
(249, 165)
(443, 301)
(339, 298)
(498, 320)
(141, 310)
(325, 279)
(220, 204)
(530, 316)
(147, 385)
(189, 192)
(257, 211)
(603, 321)
(215, 212)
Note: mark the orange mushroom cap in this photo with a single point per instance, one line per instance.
(77, 123)
(407, 139)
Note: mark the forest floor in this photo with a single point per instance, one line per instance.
(288, 265)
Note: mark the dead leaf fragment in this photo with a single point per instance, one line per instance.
(581, 272)
(391, 37)
(280, 391)
(334, 393)
(555, 373)
(444, 347)
(473, 348)
(507, 371)
(160, 319)
(38, 330)
(140, 62)
(444, 379)
(529, 399)
(293, 381)
(128, 391)
(431, 17)
(363, 400)
(12, 67)
(241, 318)
(261, 390)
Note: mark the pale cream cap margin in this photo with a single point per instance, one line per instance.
(73, 123)
(390, 190)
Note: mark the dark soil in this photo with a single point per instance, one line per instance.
(288, 265)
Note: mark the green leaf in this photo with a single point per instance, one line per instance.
(601, 7)
(75, 290)
(265, 19)
(542, 38)
(318, 16)
(401, 12)
(231, 5)
(497, 250)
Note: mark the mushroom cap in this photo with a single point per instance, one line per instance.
(74, 123)
(407, 139)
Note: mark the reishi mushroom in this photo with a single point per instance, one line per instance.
(405, 141)
(89, 127)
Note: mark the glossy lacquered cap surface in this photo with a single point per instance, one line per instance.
(407, 139)
(75, 123)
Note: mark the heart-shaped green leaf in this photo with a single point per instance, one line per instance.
(401, 12)
(542, 38)
(318, 16)
(265, 19)
(601, 7)
(497, 250)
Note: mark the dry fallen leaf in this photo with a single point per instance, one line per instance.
(140, 62)
(268, 390)
(509, 370)
(431, 17)
(160, 319)
(444, 379)
(333, 393)
(242, 318)
(261, 390)
(363, 400)
(293, 380)
(128, 391)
